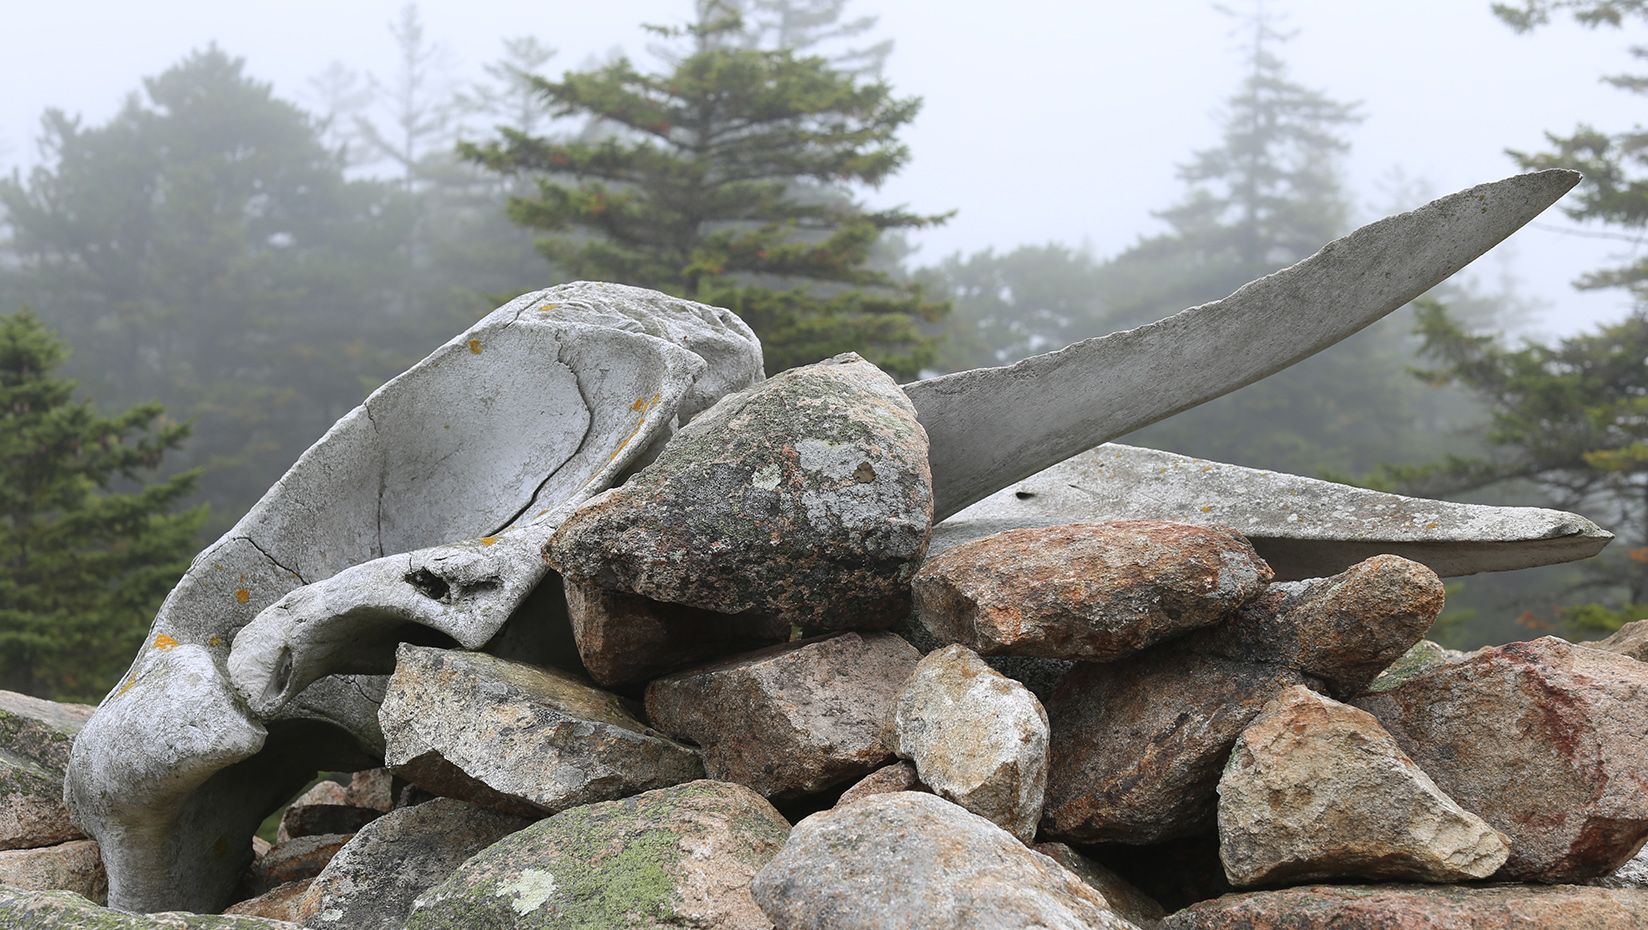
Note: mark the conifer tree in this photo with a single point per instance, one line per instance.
(724, 178)
(82, 566)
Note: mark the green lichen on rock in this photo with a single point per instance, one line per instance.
(65, 910)
(615, 864)
(1422, 657)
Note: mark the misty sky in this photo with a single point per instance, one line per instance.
(1044, 119)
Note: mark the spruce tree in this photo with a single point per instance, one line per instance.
(725, 178)
(82, 565)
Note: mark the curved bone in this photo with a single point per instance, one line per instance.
(494, 437)
(990, 427)
(1303, 527)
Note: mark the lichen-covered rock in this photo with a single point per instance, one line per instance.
(807, 498)
(914, 861)
(1343, 630)
(372, 881)
(1316, 789)
(518, 738)
(1138, 745)
(1399, 907)
(680, 856)
(1126, 900)
(1092, 591)
(65, 910)
(626, 638)
(72, 866)
(1420, 657)
(35, 737)
(1544, 741)
(977, 738)
(793, 719)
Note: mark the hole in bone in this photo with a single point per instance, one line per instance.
(429, 584)
(283, 673)
(1024, 495)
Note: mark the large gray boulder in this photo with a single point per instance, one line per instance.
(372, 881)
(680, 856)
(519, 738)
(35, 737)
(1544, 741)
(423, 507)
(789, 720)
(977, 738)
(1316, 789)
(912, 861)
(807, 498)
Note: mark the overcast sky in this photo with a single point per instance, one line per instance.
(1045, 120)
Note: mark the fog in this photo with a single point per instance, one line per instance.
(1043, 120)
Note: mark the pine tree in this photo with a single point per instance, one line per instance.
(82, 567)
(723, 179)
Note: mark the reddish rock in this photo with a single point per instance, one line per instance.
(294, 861)
(1092, 591)
(1343, 630)
(793, 719)
(282, 902)
(1403, 907)
(1138, 745)
(807, 498)
(1543, 740)
(626, 638)
(373, 789)
(900, 776)
(74, 866)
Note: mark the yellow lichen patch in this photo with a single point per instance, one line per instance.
(215, 641)
(243, 595)
(475, 346)
(1206, 509)
(1430, 526)
(127, 687)
(488, 540)
(547, 307)
(164, 642)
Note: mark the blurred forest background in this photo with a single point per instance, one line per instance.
(192, 292)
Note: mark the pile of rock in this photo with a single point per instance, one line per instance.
(780, 715)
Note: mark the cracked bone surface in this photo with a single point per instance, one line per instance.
(1302, 527)
(493, 438)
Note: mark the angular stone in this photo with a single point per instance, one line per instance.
(35, 737)
(1343, 630)
(1093, 591)
(900, 776)
(1137, 746)
(1127, 901)
(1420, 657)
(1544, 741)
(807, 498)
(793, 719)
(977, 738)
(1302, 527)
(294, 861)
(373, 880)
(73, 866)
(518, 738)
(282, 902)
(425, 506)
(1629, 640)
(371, 788)
(680, 856)
(1316, 789)
(65, 910)
(315, 819)
(913, 861)
(626, 638)
(1391, 907)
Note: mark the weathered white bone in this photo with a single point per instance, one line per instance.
(1303, 527)
(990, 427)
(493, 438)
